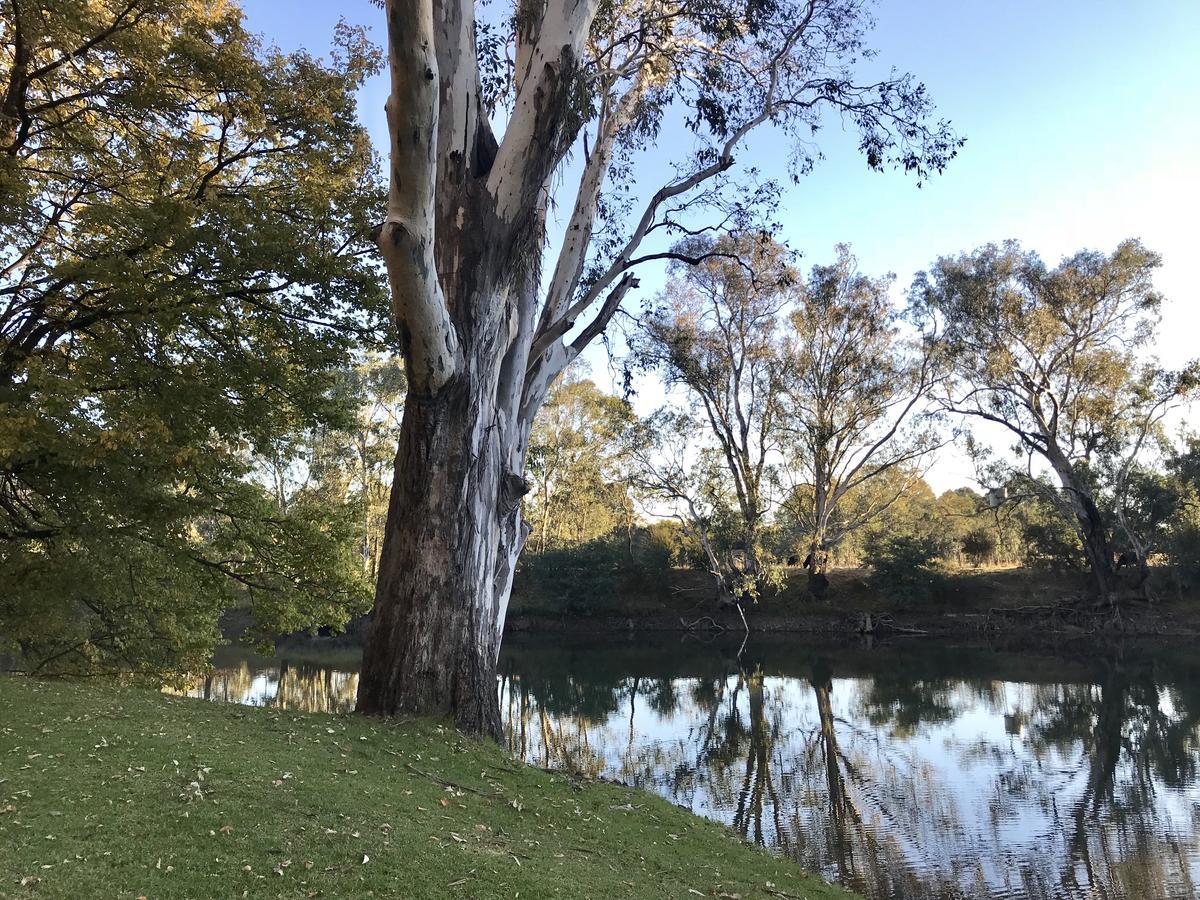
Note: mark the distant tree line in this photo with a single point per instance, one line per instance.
(806, 411)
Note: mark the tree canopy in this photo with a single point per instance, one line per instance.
(183, 219)
(1053, 356)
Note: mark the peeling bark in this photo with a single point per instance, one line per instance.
(452, 537)
(482, 338)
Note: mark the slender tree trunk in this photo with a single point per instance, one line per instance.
(818, 582)
(750, 542)
(544, 530)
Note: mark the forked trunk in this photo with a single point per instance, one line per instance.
(1096, 547)
(452, 538)
(1089, 525)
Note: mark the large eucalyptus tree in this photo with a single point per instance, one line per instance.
(1058, 358)
(483, 333)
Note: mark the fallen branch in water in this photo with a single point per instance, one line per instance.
(867, 625)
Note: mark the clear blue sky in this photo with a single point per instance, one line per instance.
(1083, 127)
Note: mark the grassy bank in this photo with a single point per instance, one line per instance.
(110, 791)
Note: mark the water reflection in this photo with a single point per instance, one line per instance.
(303, 685)
(919, 772)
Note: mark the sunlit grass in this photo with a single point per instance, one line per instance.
(110, 791)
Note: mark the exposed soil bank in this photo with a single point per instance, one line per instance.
(965, 604)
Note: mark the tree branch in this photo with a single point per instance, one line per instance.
(406, 239)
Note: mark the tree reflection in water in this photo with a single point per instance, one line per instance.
(922, 771)
(302, 686)
(903, 774)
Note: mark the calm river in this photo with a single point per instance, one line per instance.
(909, 772)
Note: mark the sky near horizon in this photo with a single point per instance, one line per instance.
(1082, 120)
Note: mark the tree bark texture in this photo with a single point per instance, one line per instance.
(464, 229)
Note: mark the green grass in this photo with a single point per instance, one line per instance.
(109, 791)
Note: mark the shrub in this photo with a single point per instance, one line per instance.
(588, 578)
(903, 564)
(978, 545)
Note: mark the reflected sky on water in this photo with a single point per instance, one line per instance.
(913, 772)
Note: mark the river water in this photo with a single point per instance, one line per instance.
(915, 771)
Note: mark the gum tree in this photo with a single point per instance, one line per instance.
(488, 316)
(1057, 357)
(857, 397)
(715, 333)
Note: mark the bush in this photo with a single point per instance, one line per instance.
(1183, 549)
(667, 540)
(978, 545)
(587, 578)
(903, 564)
(1052, 544)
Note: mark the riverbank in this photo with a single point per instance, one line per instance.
(964, 603)
(126, 792)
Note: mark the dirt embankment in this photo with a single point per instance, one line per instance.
(1002, 601)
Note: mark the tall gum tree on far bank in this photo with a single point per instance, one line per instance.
(857, 401)
(715, 334)
(1055, 356)
(483, 333)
